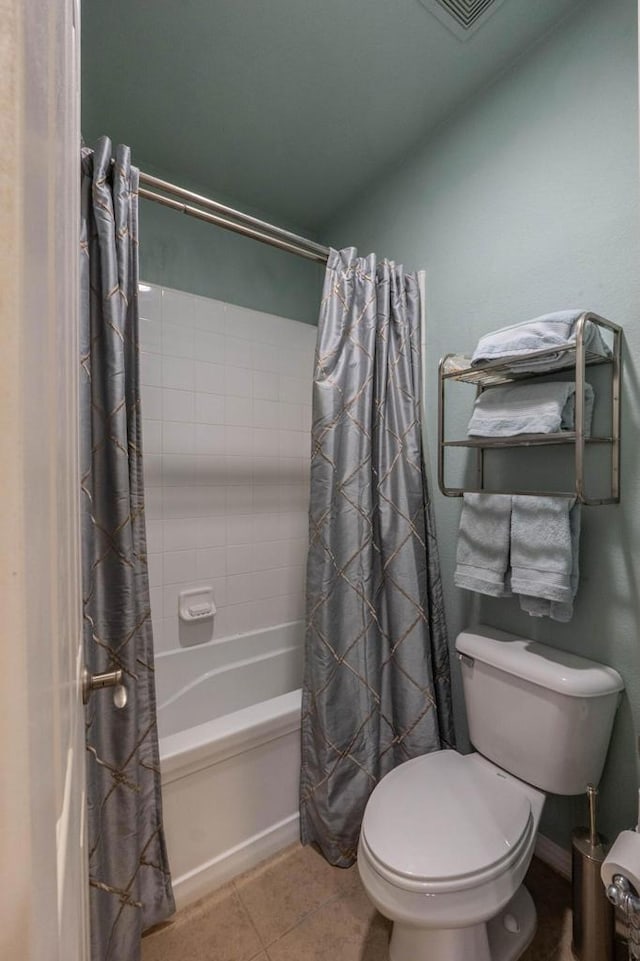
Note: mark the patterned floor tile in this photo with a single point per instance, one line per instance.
(347, 928)
(282, 892)
(217, 928)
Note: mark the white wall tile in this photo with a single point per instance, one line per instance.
(179, 566)
(212, 531)
(238, 382)
(209, 347)
(266, 385)
(238, 471)
(290, 416)
(179, 470)
(266, 413)
(265, 357)
(150, 301)
(293, 497)
(151, 436)
(193, 501)
(240, 529)
(264, 442)
(210, 378)
(238, 411)
(150, 335)
(181, 533)
(153, 500)
(177, 405)
(209, 315)
(237, 352)
(177, 308)
(154, 536)
(240, 559)
(294, 443)
(267, 470)
(270, 527)
(178, 372)
(243, 323)
(227, 500)
(211, 563)
(150, 369)
(177, 341)
(266, 499)
(155, 564)
(165, 634)
(209, 408)
(238, 440)
(240, 588)
(155, 594)
(151, 402)
(294, 390)
(210, 439)
(239, 500)
(152, 469)
(178, 438)
(210, 470)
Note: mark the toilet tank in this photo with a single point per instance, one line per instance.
(542, 714)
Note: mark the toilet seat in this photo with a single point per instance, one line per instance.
(445, 822)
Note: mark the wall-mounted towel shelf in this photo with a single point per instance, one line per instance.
(575, 358)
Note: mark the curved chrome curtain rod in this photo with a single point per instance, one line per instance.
(214, 212)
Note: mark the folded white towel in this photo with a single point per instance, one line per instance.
(482, 553)
(542, 333)
(528, 409)
(544, 550)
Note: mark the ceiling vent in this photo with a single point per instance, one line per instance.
(462, 17)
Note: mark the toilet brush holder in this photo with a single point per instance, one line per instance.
(593, 914)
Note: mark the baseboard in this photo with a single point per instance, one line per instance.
(555, 856)
(212, 874)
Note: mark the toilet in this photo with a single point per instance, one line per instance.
(447, 838)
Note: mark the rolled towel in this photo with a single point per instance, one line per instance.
(544, 550)
(560, 610)
(482, 554)
(542, 333)
(529, 409)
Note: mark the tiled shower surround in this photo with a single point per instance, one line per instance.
(226, 405)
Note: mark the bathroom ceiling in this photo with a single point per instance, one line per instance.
(293, 107)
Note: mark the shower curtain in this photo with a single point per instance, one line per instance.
(376, 688)
(130, 885)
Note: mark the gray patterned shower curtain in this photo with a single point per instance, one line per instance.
(130, 885)
(376, 686)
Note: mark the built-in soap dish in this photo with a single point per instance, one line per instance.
(196, 605)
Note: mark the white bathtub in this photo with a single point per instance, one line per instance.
(229, 723)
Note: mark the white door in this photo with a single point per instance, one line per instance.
(43, 899)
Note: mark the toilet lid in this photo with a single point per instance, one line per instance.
(443, 816)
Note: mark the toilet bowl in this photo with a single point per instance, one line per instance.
(446, 839)
(445, 843)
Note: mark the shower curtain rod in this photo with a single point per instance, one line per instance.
(228, 218)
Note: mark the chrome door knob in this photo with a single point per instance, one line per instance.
(95, 682)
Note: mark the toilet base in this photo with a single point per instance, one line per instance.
(503, 938)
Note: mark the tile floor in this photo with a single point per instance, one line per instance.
(296, 907)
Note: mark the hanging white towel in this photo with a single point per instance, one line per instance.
(482, 553)
(545, 539)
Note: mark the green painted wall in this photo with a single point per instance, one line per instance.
(525, 202)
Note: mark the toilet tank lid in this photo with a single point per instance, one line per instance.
(537, 663)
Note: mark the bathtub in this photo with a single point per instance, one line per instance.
(229, 726)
